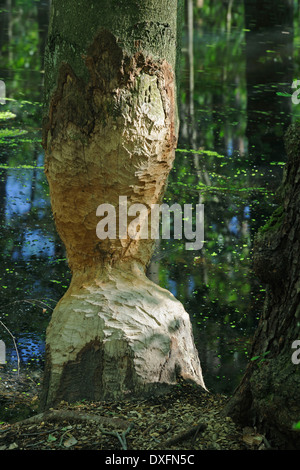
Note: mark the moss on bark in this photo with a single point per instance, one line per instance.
(152, 27)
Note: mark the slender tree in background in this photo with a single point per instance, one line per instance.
(43, 10)
(110, 130)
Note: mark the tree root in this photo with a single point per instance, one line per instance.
(68, 415)
(122, 437)
(193, 431)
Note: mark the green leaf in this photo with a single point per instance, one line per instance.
(254, 358)
(51, 438)
(279, 93)
(296, 426)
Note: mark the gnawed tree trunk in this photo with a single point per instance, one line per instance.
(269, 393)
(111, 130)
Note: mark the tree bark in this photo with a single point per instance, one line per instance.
(110, 130)
(269, 393)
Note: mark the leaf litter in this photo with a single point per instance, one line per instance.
(185, 419)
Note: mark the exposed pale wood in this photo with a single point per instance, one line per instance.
(114, 333)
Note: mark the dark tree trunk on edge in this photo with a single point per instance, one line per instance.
(269, 393)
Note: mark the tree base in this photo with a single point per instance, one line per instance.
(121, 336)
(268, 398)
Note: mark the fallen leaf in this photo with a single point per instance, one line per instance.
(12, 446)
(253, 439)
(71, 441)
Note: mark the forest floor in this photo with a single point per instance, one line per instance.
(185, 419)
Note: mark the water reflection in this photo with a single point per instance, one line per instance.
(229, 158)
(30, 350)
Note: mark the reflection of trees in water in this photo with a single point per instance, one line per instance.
(23, 31)
(269, 70)
(223, 289)
(28, 235)
(214, 117)
(28, 261)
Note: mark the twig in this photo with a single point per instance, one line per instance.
(35, 444)
(62, 436)
(184, 435)
(29, 301)
(196, 434)
(267, 444)
(38, 433)
(121, 438)
(166, 430)
(148, 429)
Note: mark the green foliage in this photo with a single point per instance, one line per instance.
(260, 358)
(22, 51)
(296, 426)
(4, 133)
(4, 115)
(275, 220)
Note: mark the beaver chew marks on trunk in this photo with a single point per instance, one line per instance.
(114, 332)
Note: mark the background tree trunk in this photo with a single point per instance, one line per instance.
(269, 394)
(110, 130)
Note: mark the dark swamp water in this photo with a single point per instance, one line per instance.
(236, 102)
